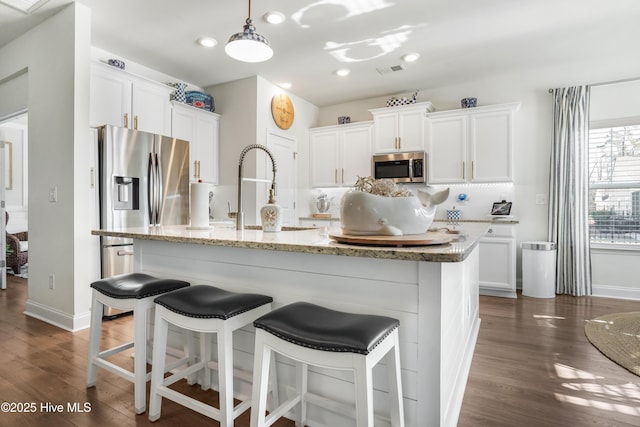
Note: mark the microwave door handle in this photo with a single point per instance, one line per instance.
(410, 169)
(159, 190)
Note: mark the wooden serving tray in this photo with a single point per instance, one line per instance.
(424, 239)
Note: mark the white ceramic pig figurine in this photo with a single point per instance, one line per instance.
(366, 214)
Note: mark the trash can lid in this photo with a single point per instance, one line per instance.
(539, 246)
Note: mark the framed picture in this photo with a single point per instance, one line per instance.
(501, 208)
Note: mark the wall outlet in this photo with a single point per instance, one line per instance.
(52, 281)
(541, 199)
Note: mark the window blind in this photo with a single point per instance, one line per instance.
(614, 185)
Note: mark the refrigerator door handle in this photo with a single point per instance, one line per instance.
(151, 190)
(159, 191)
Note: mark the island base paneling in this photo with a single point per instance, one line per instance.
(436, 303)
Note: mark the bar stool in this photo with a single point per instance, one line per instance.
(136, 292)
(314, 335)
(207, 310)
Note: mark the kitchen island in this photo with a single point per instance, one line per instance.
(432, 290)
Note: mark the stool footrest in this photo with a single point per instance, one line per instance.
(115, 350)
(281, 410)
(115, 369)
(189, 402)
(182, 374)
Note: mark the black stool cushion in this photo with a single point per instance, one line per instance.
(209, 302)
(136, 285)
(320, 328)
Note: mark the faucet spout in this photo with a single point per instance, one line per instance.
(245, 150)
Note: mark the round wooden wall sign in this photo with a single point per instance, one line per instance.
(282, 111)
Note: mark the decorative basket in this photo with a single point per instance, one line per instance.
(200, 100)
(394, 102)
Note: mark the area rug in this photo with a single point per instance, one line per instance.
(617, 336)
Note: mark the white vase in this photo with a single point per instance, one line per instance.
(271, 216)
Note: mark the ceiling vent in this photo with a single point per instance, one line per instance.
(392, 69)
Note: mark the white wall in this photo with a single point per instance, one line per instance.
(532, 140)
(56, 56)
(245, 106)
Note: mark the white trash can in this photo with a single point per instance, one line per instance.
(539, 269)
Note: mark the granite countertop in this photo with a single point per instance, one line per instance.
(308, 240)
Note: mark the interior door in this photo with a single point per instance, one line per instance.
(283, 149)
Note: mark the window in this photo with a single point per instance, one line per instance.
(614, 185)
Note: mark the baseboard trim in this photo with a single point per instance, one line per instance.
(57, 318)
(615, 292)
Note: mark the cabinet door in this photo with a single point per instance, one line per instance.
(323, 147)
(183, 126)
(355, 155)
(491, 136)
(497, 264)
(385, 132)
(110, 97)
(206, 146)
(446, 149)
(151, 107)
(411, 130)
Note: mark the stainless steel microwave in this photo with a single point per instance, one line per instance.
(401, 167)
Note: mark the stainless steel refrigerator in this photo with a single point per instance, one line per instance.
(143, 182)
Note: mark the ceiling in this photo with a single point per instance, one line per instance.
(458, 40)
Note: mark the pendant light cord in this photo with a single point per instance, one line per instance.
(249, 15)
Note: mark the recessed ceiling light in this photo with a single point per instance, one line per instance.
(274, 17)
(285, 85)
(410, 57)
(343, 72)
(207, 42)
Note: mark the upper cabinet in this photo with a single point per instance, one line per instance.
(471, 144)
(339, 154)
(397, 129)
(122, 99)
(201, 129)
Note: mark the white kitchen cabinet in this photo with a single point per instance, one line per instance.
(339, 154)
(123, 99)
(471, 144)
(397, 129)
(201, 129)
(498, 261)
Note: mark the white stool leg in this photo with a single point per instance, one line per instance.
(364, 392)
(225, 376)
(395, 383)
(157, 372)
(140, 357)
(205, 356)
(273, 376)
(261, 361)
(188, 347)
(302, 373)
(97, 309)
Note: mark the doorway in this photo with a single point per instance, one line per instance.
(284, 148)
(14, 194)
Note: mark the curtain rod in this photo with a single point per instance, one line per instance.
(610, 82)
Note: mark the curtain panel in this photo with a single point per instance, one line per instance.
(569, 189)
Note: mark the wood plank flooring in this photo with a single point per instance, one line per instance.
(532, 367)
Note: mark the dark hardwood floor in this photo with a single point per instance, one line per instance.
(532, 367)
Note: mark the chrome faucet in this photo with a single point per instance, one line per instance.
(245, 150)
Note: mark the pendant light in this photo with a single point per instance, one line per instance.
(249, 46)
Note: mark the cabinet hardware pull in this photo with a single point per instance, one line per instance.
(124, 253)
(399, 143)
(343, 175)
(198, 169)
(473, 169)
(335, 176)
(126, 120)
(135, 122)
(463, 167)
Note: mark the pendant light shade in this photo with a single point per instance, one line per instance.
(249, 46)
